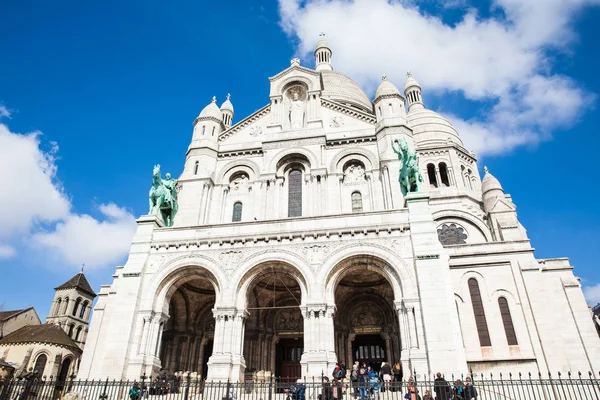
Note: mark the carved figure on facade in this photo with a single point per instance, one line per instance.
(365, 315)
(354, 173)
(290, 320)
(410, 176)
(336, 122)
(297, 107)
(239, 184)
(163, 196)
(256, 130)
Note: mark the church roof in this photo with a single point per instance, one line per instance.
(78, 282)
(4, 315)
(340, 87)
(44, 333)
(386, 88)
(430, 127)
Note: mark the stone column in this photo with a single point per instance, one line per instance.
(319, 341)
(227, 361)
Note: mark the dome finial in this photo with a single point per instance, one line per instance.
(408, 74)
(228, 96)
(214, 99)
(384, 77)
(486, 170)
(323, 54)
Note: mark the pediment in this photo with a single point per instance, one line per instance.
(502, 205)
(295, 73)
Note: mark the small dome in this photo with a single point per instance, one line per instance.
(341, 88)
(410, 81)
(211, 110)
(430, 127)
(322, 42)
(490, 183)
(386, 88)
(227, 106)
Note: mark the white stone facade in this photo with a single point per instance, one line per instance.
(327, 259)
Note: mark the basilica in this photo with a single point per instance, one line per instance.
(295, 247)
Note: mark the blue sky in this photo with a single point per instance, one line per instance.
(113, 88)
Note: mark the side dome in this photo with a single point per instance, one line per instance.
(343, 89)
(430, 128)
(386, 88)
(211, 110)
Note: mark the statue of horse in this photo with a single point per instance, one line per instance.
(410, 176)
(163, 196)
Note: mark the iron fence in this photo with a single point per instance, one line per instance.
(570, 386)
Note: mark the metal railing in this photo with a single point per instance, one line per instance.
(570, 386)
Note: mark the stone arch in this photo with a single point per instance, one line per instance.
(174, 273)
(312, 158)
(464, 285)
(295, 80)
(365, 156)
(474, 221)
(253, 268)
(383, 260)
(232, 167)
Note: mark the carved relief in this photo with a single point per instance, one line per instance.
(290, 320)
(366, 315)
(239, 185)
(231, 258)
(315, 253)
(450, 234)
(336, 122)
(354, 174)
(256, 130)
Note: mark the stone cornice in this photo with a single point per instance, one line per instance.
(245, 122)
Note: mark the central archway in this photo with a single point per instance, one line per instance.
(366, 323)
(274, 329)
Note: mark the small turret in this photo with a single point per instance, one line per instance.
(491, 190)
(209, 123)
(388, 101)
(323, 55)
(412, 91)
(227, 112)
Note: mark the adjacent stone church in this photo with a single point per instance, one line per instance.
(294, 248)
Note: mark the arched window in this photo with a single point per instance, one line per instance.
(40, 364)
(391, 109)
(203, 129)
(509, 328)
(75, 307)
(78, 333)
(83, 307)
(295, 193)
(357, 202)
(237, 212)
(196, 165)
(444, 174)
(70, 333)
(58, 304)
(431, 175)
(66, 309)
(480, 321)
(213, 131)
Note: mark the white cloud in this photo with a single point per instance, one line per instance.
(7, 251)
(501, 60)
(4, 112)
(592, 294)
(33, 198)
(81, 238)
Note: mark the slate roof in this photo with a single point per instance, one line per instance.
(44, 333)
(4, 315)
(79, 282)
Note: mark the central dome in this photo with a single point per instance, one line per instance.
(343, 89)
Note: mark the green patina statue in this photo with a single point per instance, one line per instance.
(410, 176)
(163, 196)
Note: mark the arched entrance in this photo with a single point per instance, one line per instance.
(188, 334)
(366, 324)
(274, 331)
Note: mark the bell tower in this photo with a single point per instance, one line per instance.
(72, 306)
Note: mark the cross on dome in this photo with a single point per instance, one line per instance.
(384, 77)
(228, 96)
(214, 99)
(322, 34)
(486, 170)
(408, 74)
